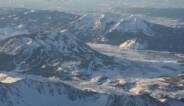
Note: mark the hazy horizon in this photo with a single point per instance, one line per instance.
(90, 4)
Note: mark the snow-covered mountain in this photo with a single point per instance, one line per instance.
(55, 54)
(34, 20)
(102, 24)
(90, 26)
(133, 24)
(109, 28)
(44, 60)
(37, 91)
(116, 30)
(30, 90)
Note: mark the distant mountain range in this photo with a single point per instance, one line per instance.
(100, 28)
(115, 30)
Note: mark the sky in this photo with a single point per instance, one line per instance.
(90, 4)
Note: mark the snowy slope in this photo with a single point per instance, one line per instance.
(91, 26)
(119, 29)
(103, 23)
(28, 91)
(133, 24)
(55, 54)
(96, 22)
(97, 25)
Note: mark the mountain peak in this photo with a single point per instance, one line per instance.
(134, 24)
